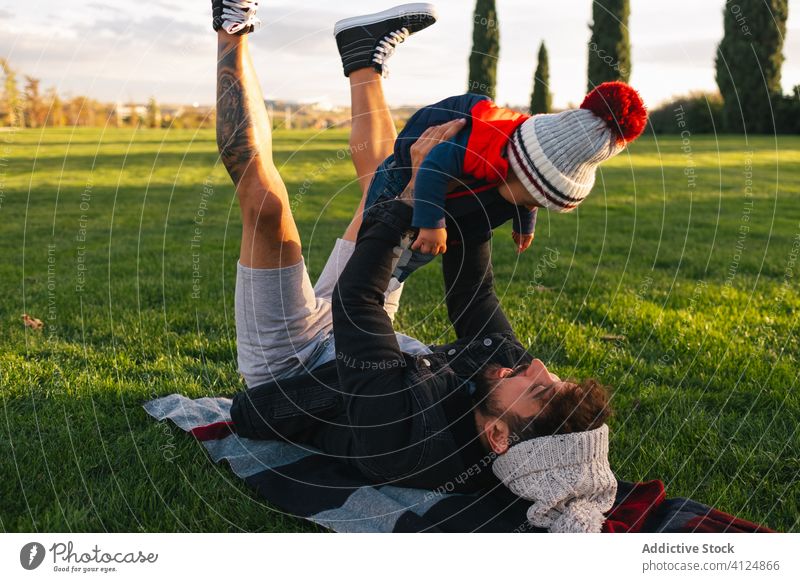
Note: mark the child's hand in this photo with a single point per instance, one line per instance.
(431, 241)
(523, 241)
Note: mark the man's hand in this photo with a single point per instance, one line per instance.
(431, 241)
(429, 139)
(523, 241)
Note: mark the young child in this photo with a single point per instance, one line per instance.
(503, 165)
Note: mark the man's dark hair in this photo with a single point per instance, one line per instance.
(581, 407)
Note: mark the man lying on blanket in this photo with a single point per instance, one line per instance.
(323, 364)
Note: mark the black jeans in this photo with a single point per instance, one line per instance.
(401, 419)
(408, 416)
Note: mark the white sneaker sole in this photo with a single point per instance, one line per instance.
(417, 8)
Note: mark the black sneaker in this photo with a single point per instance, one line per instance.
(369, 40)
(235, 16)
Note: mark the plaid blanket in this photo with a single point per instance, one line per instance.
(308, 484)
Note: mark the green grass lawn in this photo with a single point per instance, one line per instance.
(125, 244)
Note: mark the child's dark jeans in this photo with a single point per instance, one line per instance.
(388, 184)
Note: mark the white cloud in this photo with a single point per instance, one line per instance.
(134, 48)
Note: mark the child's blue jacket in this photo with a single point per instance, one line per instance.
(470, 165)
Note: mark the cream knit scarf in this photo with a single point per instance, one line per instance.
(567, 477)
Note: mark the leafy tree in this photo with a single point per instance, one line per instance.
(56, 116)
(485, 49)
(541, 99)
(749, 61)
(81, 111)
(610, 45)
(35, 111)
(11, 102)
(153, 113)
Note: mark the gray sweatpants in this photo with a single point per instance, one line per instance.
(284, 325)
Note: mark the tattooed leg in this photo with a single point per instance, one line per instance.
(372, 135)
(244, 136)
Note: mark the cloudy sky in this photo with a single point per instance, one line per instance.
(132, 49)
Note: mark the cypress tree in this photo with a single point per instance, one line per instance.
(485, 50)
(610, 46)
(749, 61)
(541, 99)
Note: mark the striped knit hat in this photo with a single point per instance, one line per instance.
(556, 155)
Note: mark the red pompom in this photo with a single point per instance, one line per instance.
(620, 106)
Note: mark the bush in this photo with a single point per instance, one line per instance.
(700, 113)
(787, 113)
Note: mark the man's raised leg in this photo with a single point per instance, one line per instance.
(372, 136)
(244, 135)
(279, 320)
(373, 131)
(366, 43)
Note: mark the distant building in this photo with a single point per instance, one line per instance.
(128, 112)
(177, 115)
(312, 114)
